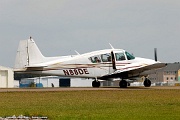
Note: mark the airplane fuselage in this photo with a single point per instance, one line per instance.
(83, 66)
(103, 64)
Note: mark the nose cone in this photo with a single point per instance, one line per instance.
(146, 61)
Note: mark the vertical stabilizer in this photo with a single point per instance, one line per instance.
(28, 54)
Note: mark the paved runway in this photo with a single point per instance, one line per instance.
(86, 88)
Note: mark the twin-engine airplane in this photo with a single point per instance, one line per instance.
(99, 65)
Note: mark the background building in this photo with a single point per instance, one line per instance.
(168, 75)
(54, 81)
(6, 77)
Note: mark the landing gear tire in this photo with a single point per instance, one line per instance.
(147, 83)
(123, 84)
(96, 83)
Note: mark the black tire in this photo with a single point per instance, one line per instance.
(98, 84)
(95, 84)
(147, 83)
(123, 84)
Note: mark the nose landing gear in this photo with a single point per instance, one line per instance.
(147, 82)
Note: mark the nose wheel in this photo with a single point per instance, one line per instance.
(147, 82)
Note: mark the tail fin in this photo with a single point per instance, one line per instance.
(28, 54)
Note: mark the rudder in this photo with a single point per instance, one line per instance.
(28, 54)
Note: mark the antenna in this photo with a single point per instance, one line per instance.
(28, 51)
(111, 46)
(77, 52)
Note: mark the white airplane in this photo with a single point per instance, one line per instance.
(108, 64)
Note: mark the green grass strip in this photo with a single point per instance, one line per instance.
(94, 105)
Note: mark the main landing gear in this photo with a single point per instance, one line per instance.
(123, 84)
(147, 82)
(96, 83)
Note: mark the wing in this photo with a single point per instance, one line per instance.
(135, 71)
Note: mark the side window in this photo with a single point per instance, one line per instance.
(120, 56)
(106, 57)
(95, 59)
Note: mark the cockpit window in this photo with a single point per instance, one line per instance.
(106, 57)
(120, 56)
(95, 59)
(129, 56)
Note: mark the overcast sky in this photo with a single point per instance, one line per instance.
(61, 26)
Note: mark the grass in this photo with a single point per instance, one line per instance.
(95, 105)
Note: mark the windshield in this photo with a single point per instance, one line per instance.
(129, 56)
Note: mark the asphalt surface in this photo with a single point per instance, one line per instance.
(86, 88)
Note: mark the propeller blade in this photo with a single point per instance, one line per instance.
(155, 54)
(113, 60)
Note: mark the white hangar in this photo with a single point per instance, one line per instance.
(6, 77)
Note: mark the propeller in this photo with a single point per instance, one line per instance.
(155, 54)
